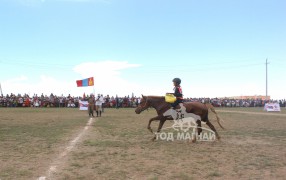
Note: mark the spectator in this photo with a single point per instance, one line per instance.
(98, 105)
(117, 102)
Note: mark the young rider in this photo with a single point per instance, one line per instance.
(177, 92)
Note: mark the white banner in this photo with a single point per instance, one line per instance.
(83, 105)
(272, 107)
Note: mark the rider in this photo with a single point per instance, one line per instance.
(177, 92)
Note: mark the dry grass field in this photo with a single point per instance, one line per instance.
(118, 146)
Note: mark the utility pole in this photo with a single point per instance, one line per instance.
(266, 77)
(1, 90)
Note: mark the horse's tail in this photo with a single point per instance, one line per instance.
(210, 106)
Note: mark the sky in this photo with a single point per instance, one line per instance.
(218, 48)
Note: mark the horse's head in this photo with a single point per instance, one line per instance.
(144, 104)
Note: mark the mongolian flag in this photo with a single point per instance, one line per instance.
(85, 82)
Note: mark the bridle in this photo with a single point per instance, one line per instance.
(144, 107)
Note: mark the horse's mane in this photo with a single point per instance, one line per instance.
(156, 97)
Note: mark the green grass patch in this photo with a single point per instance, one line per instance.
(105, 143)
(214, 174)
(118, 146)
(30, 134)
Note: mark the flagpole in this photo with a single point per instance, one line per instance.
(93, 86)
(1, 90)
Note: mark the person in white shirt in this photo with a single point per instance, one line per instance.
(21, 101)
(103, 102)
(98, 105)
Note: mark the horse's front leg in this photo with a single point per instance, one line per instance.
(150, 121)
(162, 121)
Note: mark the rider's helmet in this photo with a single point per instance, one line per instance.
(177, 81)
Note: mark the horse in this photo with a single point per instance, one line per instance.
(161, 107)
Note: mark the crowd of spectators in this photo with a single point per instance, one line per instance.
(69, 101)
(227, 102)
(117, 102)
(26, 100)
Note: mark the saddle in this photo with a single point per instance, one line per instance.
(178, 108)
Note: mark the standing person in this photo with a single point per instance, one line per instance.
(178, 92)
(107, 101)
(117, 102)
(21, 101)
(61, 101)
(138, 101)
(103, 102)
(91, 103)
(98, 105)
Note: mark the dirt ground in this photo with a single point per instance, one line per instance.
(118, 146)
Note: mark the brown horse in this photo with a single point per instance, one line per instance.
(161, 106)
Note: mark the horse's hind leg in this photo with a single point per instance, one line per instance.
(213, 129)
(199, 123)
